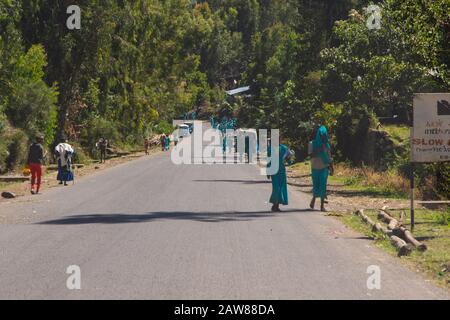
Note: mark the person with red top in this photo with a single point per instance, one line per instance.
(35, 161)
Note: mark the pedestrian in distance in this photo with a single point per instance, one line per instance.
(163, 142)
(35, 161)
(102, 146)
(321, 165)
(63, 154)
(146, 146)
(167, 144)
(279, 180)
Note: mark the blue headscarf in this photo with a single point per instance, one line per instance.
(321, 140)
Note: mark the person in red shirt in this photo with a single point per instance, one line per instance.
(35, 161)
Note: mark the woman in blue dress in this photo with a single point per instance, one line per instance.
(321, 165)
(279, 181)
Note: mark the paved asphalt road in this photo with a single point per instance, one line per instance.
(152, 230)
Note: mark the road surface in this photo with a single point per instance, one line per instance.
(149, 229)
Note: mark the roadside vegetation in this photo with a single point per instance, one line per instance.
(362, 181)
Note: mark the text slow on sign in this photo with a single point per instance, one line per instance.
(431, 130)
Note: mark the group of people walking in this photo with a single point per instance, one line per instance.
(63, 154)
(165, 142)
(102, 146)
(321, 167)
(318, 149)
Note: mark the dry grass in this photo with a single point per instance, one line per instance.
(364, 180)
(389, 181)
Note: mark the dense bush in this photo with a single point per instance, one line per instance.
(443, 180)
(32, 104)
(164, 127)
(17, 149)
(95, 129)
(352, 130)
(80, 154)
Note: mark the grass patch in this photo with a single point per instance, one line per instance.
(432, 228)
(363, 181)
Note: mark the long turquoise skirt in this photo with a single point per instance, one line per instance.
(279, 189)
(320, 179)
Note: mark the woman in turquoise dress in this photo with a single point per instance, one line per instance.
(279, 181)
(321, 165)
(167, 143)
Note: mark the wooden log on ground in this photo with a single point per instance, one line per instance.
(402, 217)
(14, 178)
(392, 223)
(359, 212)
(402, 247)
(55, 167)
(379, 228)
(365, 218)
(123, 153)
(406, 235)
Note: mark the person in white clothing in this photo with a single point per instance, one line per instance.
(63, 154)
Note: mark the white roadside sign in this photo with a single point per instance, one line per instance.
(430, 140)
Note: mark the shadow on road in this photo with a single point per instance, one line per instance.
(117, 218)
(236, 181)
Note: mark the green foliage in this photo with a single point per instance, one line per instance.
(17, 149)
(31, 104)
(97, 128)
(80, 156)
(442, 217)
(328, 115)
(443, 180)
(164, 127)
(352, 130)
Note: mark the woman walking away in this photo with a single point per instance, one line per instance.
(279, 182)
(167, 147)
(35, 161)
(321, 165)
(163, 142)
(64, 153)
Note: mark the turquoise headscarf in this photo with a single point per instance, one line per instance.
(321, 143)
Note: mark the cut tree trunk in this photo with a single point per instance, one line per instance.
(378, 227)
(405, 234)
(402, 247)
(366, 219)
(14, 178)
(392, 223)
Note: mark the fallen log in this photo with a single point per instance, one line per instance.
(406, 235)
(399, 230)
(13, 178)
(392, 223)
(402, 247)
(55, 167)
(402, 217)
(365, 218)
(378, 227)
